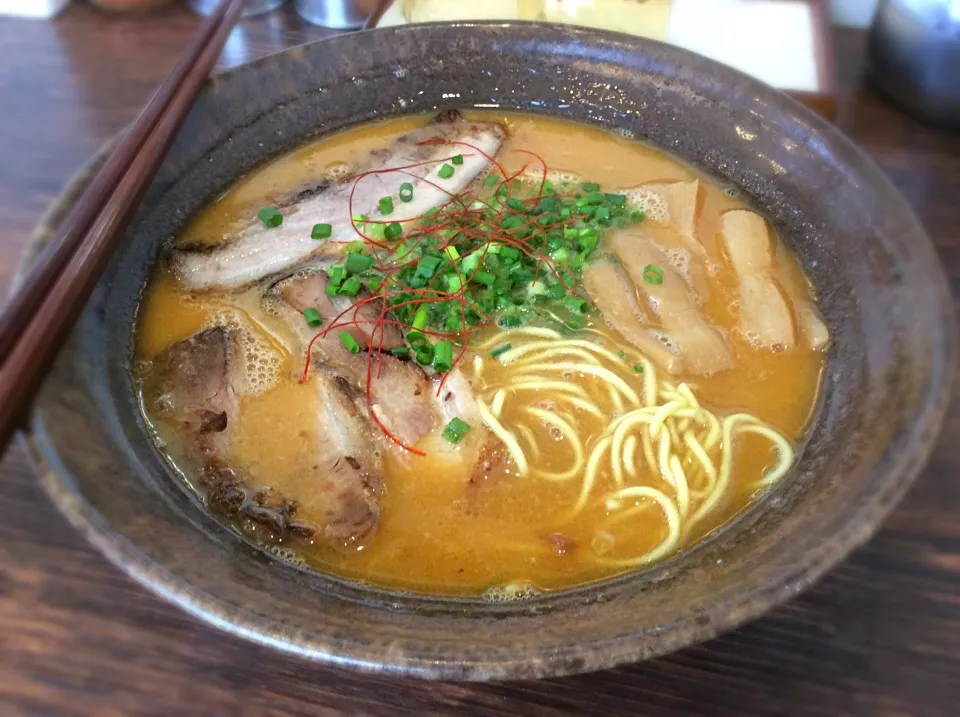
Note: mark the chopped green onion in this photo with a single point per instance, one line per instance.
(358, 263)
(337, 273)
(392, 231)
(510, 253)
(406, 192)
(451, 251)
(350, 287)
(458, 160)
(443, 356)
(485, 278)
(312, 317)
(400, 351)
(420, 320)
(573, 323)
(547, 204)
(428, 266)
(270, 217)
(374, 280)
(425, 353)
(638, 367)
(349, 343)
(618, 200)
(637, 216)
(386, 205)
(321, 231)
(454, 284)
(622, 355)
(557, 291)
(470, 262)
(454, 319)
(575, 303)
(589, 239)
(500, 350)
(490, 180)
(510, 321)
(653, 274)
(404, 249)
(590, 187)
(516, 205)
(513, 221)
(594, 198)
(455, 430)
(416, 337)
(445, 172)
(356, 247)
(602, 214)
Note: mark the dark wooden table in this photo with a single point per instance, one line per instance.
(879, 636)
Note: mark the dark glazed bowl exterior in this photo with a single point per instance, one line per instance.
(886, 384)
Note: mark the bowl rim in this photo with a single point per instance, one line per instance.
(861, 524)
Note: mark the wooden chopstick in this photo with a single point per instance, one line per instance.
(20, 309)
(57, 291)
(377, 13)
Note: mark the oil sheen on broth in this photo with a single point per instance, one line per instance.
(612, 422)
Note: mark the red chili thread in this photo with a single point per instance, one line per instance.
(350, 317)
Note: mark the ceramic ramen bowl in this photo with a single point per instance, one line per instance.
(880, 288)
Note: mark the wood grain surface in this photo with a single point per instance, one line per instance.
(879, 636)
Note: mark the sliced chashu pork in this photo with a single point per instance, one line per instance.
(369, 324)
(257, 251)
(765, 313)
(349, 464)
(196, 386)
(408, 402)
(400, 392)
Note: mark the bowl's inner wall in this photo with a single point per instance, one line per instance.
(881, 292)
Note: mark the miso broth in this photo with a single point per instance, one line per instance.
(616, 411)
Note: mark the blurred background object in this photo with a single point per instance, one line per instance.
(914, 51)
(785, 43)
(32, 8)
(852, 13)
(344, 13)
(336, 14)
(251, 9)
(879, 637)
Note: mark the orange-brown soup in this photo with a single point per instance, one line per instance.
(443, 528)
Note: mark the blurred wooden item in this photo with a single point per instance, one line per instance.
(377, 13)
(129, 6)
(51, 297)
